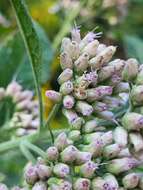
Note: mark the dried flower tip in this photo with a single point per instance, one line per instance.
(65, 44)
(98, 183)
(65, 61)
(82, 184)
(107, 138)
(81, 63)
(2, 93)
(66, 88)
(52, 153)
(61, 170)
(84, 108)
(74, 135)
(130, 70)
(68, 101)
(103, 57)
(65, 76)
(132, 121)
(89, 126)
(12, 88)
(137, 94)
(111, 182)
(120, 136)
(54, 96)
(62, 141)
(122, 87)
(40, 185)
(3, 186)
(68, 155)
(130, 181)
(43, 171)
(83, 157)
(80, 93)
(98, 93)
(137, 141)
(75, 34)
(91, 48)
(111, 151)
(30, 174)
(87, 170)
(120, 165)
(99, 107)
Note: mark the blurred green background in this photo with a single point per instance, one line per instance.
(120, 21)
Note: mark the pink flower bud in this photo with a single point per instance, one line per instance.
(30, 174)
(61, 170)
(120, 136)
(3, 186)
(137, 141)
(66, 88)
(120, 165)
(137, 94)
(68, 155)
(130, 181)
(87, 170)
(110, 182)
(130, 70)
(2, 93)
(40, 186)
(90, 126)
(111, 151)
(83, 157)
(12, 88)
(91, 48)
(84, 108)
(81, 63)
(65, 61)
(98, 93)
(92, 137)
(132, 121)
(43, 171)
(68, 101)
(100, 48)
(82, 184)
(65, 44)
(54, 96)
(65, 76)
(52, 153)
(103, 57)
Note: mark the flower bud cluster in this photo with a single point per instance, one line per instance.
(25, 110)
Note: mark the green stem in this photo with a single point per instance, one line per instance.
(32, 45)
(50, 117)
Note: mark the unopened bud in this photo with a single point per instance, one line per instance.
(54, 96)
(65, 61)
(68, 155)
(132, 121)
(137, 141)
(98, 183)
(111, 182)
(65, 76)
(52, 153)
(84, 108)
(87, 170)
(111, 151)
(91, 48)
(83, 157)
(73, 50)
(30, 174)
(61, 170)
(75, 34)
(68, 101)
(120, 136)
(120, 165)
(65, 44)
(124, 153)
(81, 63)
(122, 87)
(90, 126)
(92, 137)
(82, 184)
(130, 70)
(130, 181)
(137, 94)
(74, 135)
(12, 88)
(66, 88)
(99, 107)
(40, 186)
(98, 93)
(103, 57)
(88, 38)
(43, 171)
(3, 186)
(107, 138)
(108, 115)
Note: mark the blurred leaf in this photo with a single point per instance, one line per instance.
(134, 47)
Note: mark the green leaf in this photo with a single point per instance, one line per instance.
(134, 47)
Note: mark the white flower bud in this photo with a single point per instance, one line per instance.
(124, 153)
(61, 170)
(89, 37)
(111, 182)
(54, 96)
(74, 135)
(122, 87)
(52, 153)
(130, 181)
(99, 107)
(92, 137)
(108, 115)
(87, 170)
(137, 141)
(65, 76)
(111, 151)
(81, 63)
(84, 108)
(82, 184)
(120, 136)
(39, 186)
(107, 138)
(68, 101)
(91, 48)
(30, 174)
(103, 57)
(98, 183)
(100, 48)
(65, 44)
(83, 157)
(90, 126)
(43, 171)
(65, 61)
(12, 88)
(73, 50)
(66, 88)
(68, 155)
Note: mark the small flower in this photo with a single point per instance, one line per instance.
(30, 174)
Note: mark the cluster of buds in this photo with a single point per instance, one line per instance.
(25, 110)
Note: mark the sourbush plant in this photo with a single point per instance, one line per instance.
(101, 98)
